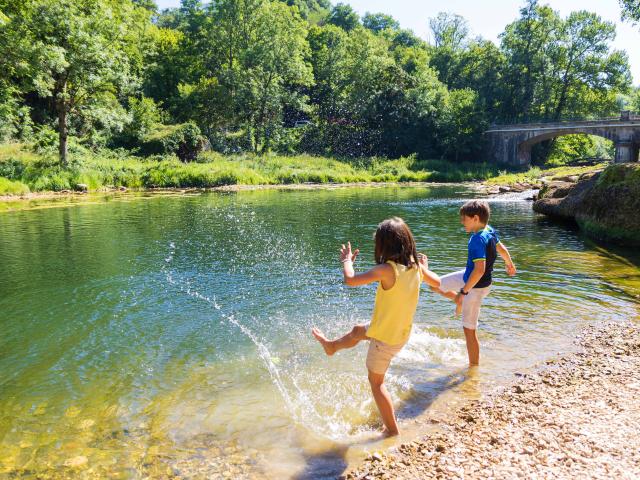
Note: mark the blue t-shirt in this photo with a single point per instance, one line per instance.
(482, 246)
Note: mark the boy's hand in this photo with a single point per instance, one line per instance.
(346, 255)
(511, 269)
(458, 301)
(423, 260)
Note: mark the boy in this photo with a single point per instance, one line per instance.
(469, 287)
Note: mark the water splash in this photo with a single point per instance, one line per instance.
(303, 411)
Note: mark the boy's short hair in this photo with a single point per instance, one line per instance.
(476, 207)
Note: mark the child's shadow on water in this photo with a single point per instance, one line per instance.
(333, 463)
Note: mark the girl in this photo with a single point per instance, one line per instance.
(399, 273)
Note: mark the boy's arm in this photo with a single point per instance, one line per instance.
(477, 273)
(479, 267)
(504, 253)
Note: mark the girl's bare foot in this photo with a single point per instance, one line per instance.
(386, 433)
(329, 349)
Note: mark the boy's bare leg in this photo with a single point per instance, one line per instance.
(473, 346)
(384, 403)
(351, 339)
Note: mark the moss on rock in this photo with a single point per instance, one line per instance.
(606, 206)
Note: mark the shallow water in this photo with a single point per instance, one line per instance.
(171, 335)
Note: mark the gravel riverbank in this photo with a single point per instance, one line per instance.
(577, 416)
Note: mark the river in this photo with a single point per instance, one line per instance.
(170, 335)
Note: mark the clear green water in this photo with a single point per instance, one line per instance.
(171, 335)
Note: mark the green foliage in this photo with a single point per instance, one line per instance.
(310, 9)
(534, 175)
(561, 67)
(114, 168)
(111, 73)
(9, 187)
(184, 140)
(45, 139)
(635, 101)
(75, 54)
(12, 168)
(630, 9)
(343, 16)
(449, 30)
(145, 115)
(379, 22)
(578, 147)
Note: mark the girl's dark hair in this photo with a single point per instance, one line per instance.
(394, 241)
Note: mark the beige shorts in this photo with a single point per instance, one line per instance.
(471, 303)
(380, 355)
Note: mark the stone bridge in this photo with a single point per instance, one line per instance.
(511, 144)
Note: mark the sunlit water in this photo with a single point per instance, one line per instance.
(171, 336)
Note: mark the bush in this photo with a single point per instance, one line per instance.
(8, 187)
(184, 140)
(11, 168)
(46, 138)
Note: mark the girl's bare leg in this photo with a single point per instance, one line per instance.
(384, 403)
(451, 296)
(351, 339)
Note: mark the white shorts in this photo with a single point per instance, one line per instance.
(471, 303)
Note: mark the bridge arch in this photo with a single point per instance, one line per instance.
(526, 146)
(511, 144)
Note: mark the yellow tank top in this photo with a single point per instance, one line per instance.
(394, 308)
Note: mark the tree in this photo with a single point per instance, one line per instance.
(378, 22)
(310, 9)
(529, 45)
(635, 105)
(254, 66)
(74, 54)
(460, 126)
(557, 68)
(449, 30)
(630, 10)
(343, 16)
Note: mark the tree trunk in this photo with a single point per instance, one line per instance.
(62, 134)
(61, 106)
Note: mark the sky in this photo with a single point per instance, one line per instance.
(487, 18)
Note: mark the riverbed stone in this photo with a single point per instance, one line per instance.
(562, 426)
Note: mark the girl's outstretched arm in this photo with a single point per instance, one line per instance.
(431, 278)
(380, 273)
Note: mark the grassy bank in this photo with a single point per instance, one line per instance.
(536, 175)
(22, 170)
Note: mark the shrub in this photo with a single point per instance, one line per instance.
(184, 140)
(11, 168)
(9, 187)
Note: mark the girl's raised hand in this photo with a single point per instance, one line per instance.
(346, 255)
(422, 258)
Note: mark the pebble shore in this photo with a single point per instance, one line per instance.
(576, 416)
